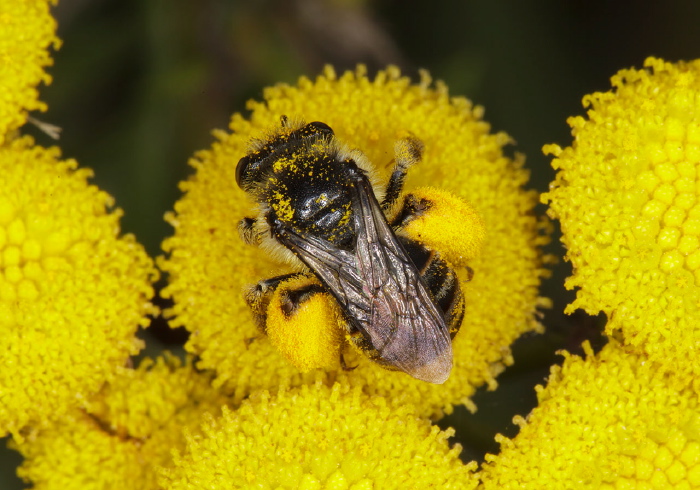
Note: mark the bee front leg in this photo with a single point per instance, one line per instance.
(248, 231)
(407, 152)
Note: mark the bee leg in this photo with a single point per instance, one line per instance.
(258, 297)
(291, 299)
(247, 231)
(344, 365)
(412, 208)
(250, 340)
(407, 152)
(470, 273)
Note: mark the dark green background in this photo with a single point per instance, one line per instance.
(139, 85)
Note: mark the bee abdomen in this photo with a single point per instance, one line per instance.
(441, 280)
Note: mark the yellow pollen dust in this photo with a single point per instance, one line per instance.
(282, 205)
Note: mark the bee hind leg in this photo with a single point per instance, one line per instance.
(412, 208)
(344, 365)
(407, 152)
(258, 296)
(292, 298)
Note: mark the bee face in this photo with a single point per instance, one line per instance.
(401, 301)
(252, 168)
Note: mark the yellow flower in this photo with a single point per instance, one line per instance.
(72, 292)
(27, 29)
(315, 437)
(610, 421)
(627, 197)
(209, 265)
(125, 431)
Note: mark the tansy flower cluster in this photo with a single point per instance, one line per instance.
(626, 193)
(612, 420)
(627, 197)
(209, 265)
(27, 30)
(72, 291)
(124, 432)
(316, 437)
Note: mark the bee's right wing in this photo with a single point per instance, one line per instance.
(379, 289)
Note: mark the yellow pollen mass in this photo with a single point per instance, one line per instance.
(282, 205)
(450, 225)
(312, 335)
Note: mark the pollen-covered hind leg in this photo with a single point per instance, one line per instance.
(302, 320)
(441, 221)
(413, 208)
(407, 152)
(258, 297)
(292, 299)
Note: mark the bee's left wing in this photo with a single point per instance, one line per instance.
(406, 326)
(380, 289)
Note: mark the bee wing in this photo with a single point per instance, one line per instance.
(380, 290)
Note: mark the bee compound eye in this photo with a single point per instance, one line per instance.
(241, 169)
(318, 127)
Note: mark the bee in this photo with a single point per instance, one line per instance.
(400, 300)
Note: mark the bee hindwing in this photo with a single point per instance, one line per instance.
(379, 289)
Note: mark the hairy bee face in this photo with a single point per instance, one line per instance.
(401, 301)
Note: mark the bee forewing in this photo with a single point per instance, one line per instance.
(436, 370)
(407, 328)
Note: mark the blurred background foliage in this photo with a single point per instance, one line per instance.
(139, 85)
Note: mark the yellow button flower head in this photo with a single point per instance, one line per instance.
(316, 437)
(627, 197)
(610, 421)
(72, 292)
(26, 31)
(126, 430)
(209, 266)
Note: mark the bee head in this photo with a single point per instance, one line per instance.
(252, 168)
